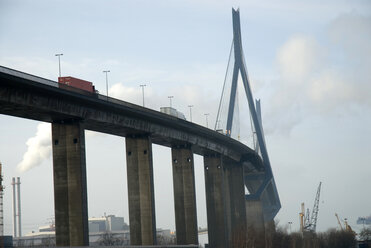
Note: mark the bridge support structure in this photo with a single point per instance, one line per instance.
(141, 190)
(215, 201)
(225, 202)
(235, 201)
(255, 221)
(70, 189)
(254, 214)
(184, 195)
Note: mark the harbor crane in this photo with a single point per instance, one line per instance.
(348, 228)
(337, 217)
(308, 223)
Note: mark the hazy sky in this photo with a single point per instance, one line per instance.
(308, 63)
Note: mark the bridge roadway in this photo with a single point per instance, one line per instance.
(71, 112)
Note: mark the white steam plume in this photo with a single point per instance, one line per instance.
(39, 148)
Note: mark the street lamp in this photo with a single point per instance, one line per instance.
(207, 122)
(106, 81)
(59, 60)
(170, 97)
(190, 111)
(143, 85)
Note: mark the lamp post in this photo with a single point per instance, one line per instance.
(207, 122)
(107, 81)
(190, 111)
(143, 85)
(59, 62)
(170, 97)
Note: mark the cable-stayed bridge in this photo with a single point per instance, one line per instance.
(240, 187)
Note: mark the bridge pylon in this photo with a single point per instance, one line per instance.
(262, 201)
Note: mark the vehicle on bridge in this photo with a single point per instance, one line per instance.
(76, 83)
(173, 112)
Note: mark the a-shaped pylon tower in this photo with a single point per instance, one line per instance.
(261, 185)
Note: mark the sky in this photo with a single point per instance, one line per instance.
(309, 63)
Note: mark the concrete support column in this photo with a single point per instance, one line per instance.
(254, 214)
(235, 202)
(255, 222)
(141, 191)
(70, 190)
(215, 201)
(184, 196)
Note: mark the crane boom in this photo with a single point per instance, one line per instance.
(337, 217)
(302, 215)
(316, 209)
(307, 223)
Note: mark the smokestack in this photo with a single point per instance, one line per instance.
(1, 204)
(19, 206)
(14, 212)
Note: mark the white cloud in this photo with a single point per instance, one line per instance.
(352, 32)
(298, 58)
(36, 66)
(330, 90)
(39, 148)
(322, 78)
(129, 94)
(184, 95)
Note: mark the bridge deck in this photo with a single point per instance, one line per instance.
(27, 96)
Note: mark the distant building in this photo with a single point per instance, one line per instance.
(364, 220)
(97, 225)
(35, 238)
(116, 223)
(49, 228)
(107, 223)
(164, 232)
(115, 227)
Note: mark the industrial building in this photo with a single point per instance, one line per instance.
(99, 228)
(107, 223)
(364, 220)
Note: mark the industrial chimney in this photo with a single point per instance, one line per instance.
(17, 207)
(1, 203)
(14, 210)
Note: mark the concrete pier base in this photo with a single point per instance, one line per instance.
(70, 190)
(255, 222)
(254, 214)
(184, 196)
(235, 202)
(140, 190)
(215, 202)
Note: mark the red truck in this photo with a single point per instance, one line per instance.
(76, 83)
